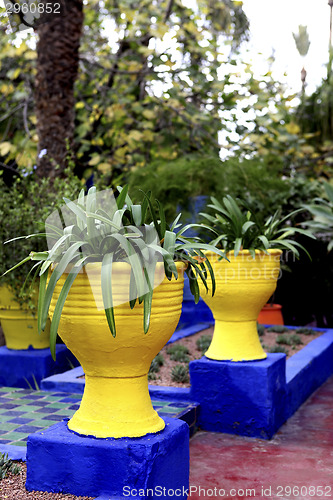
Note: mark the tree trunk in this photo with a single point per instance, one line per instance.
(57, 67)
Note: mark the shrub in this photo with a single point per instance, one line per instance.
(203, 343)
(179, 353)
(279, 348)
(305, 331)
(180, 373)
(25, 206)
(157, 362)
(295, 339)
(283, 339)
(7, 466)
(260, 329)
(278, 329)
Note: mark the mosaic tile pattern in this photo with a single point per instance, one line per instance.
(24, 411)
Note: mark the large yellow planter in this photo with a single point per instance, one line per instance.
(116, 401)
(243, 286)
(19, 325)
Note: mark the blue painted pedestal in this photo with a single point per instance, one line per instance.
(59, 460)
(21, 368)
(246, 398)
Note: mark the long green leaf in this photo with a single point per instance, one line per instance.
(17, 265)
(59, 307)
(106, 283)
(41, 297)
(121, 199)
(57, 272)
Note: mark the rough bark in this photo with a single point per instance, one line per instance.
(57, 67)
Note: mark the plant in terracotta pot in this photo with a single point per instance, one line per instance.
(244, 284)
(112, 283)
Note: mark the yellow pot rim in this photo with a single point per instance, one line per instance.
(270, 251)
(116, 266)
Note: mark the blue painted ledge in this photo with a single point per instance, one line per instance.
(308, 369)
(305, 372)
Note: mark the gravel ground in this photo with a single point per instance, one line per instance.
(13, 488)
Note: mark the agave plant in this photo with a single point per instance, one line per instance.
(132, 233)
(237, 228)
(323, 215)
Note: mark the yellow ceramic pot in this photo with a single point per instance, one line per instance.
(116, 401)
(243, 286)
(19, 325)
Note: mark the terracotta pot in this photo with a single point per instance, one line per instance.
(243, 286)
(116, 401)
(19, 325)
(271, 314)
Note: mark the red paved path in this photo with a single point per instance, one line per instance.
(300, 455)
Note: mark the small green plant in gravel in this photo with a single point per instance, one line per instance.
(283, 339)
(7, 466)
(203, 343)
(305, 330)
(260, 329)
(296, 339)
(279, 348)
(179, 353)
(278, 329)
(155, 366)
(180, 373)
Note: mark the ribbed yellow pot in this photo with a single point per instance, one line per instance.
(116, 401)
(243, 286)
(19, 325)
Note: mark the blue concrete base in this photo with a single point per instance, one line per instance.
(61, 461)
(27, 367)
(246, 398)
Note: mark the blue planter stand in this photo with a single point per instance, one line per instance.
(23, 367)
(59, 460)
(246, 398)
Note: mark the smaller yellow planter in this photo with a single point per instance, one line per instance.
(19, 325)
(243, 286)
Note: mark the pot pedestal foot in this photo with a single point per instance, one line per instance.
(59, 460)
(245, 398)
(235, 341)
(116, 407)
(19, 368)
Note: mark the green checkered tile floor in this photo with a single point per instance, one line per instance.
(24, 411)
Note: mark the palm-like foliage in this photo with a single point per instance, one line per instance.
(237, 228)
(121, 235)
(323, 215)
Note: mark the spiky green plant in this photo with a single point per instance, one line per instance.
(178, 352)
(237, 228)
(295, 339)
(278, 329)
(156, 364)
(305, 330)
(98, 236)
(7, 466)
(203, 343)
(260, 329)
(180, 373)
(284, 339)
